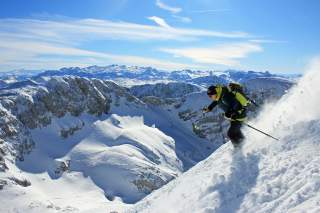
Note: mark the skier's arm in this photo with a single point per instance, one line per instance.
(212, 105)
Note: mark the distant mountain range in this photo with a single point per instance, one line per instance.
(132, 75)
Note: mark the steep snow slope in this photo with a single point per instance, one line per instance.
(266, 175)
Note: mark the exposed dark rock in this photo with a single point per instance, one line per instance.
(23, 182)
(65, 133)
(61, 167)
(2, 183)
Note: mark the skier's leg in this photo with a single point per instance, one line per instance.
(234, 133)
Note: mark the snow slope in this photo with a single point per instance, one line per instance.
(89, 138)
(265, 175)
(118, 158)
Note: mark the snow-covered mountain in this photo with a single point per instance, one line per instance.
(161, 90)
(275, 85)
(64, 138)
(265, 175)
(109, 72)
(134, 75)
(62, 129)
(16, 75)
(3, 84)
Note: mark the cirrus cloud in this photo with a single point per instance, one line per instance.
(164, 6)
(16, 54)
(161, 22)
(97, 29)
(25, 43)
(226, 54)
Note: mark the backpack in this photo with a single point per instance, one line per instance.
(237, 90)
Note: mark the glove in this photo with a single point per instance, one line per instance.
(205, 109)
(230, 115)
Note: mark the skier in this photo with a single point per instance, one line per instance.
(233, 103)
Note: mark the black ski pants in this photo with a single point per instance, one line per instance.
(234, 132)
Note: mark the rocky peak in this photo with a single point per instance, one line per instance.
(35, 105)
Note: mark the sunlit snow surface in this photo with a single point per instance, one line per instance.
(265, 175)
(106, 157)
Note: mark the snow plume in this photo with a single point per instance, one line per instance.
(300, 104)
(304, 98)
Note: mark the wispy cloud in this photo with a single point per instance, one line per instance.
(267, 41)
(227, 54)
(31, 42)
(210, 11)
(164, 6)
(174, 11)
(182, 18)
(84, 29)
(16, 54)
(161, 22)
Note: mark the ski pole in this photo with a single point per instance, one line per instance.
(260, 131)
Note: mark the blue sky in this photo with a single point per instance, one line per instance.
(279, 36)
